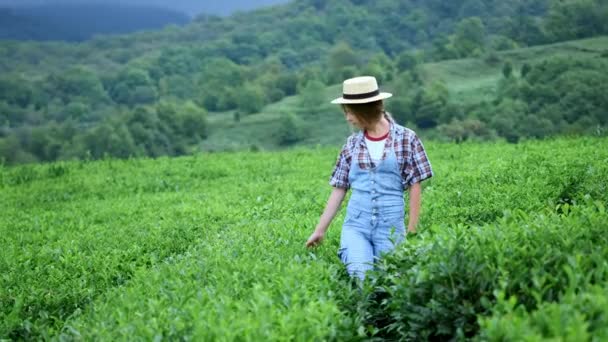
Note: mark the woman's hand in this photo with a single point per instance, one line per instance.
(315, 239)
(333, 204)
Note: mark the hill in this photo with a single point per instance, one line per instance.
(468, 81)
(150, 93)
(472, 80)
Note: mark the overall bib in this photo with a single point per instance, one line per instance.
(374, 222)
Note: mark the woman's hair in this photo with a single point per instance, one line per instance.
(367, 113)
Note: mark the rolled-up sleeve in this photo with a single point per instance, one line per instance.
(339, 178)
(418, 167)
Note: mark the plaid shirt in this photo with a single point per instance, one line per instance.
(414, 163)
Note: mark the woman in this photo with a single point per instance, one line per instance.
(377, 163)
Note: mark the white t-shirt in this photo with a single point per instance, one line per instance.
(375, 146)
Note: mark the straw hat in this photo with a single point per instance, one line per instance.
(362, 89)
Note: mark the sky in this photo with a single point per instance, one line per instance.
(191, 7)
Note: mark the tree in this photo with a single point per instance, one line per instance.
(250, 99)
(507, 69)
(454, 131)
(76, 84)
(15, 90)
(288, 83)
(525, 29)
(193, 121)
(379, 66)
(110, 139)
(340, 57)
(429, 105)
(536, 127)
(312, 99)
(290, 130)
(402, 106)
(77, 110)
(406, 61)
(525, 69)
(133, 86)
(178, 61)
(461, 130)
(177, 86)
(11, 151)
(469, 39)
(501, 43)
(509, 114)
(472, 8)
(576, 19)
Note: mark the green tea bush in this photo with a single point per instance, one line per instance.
(211, 247)
(580, 315)
(475, 185)
(435, 287)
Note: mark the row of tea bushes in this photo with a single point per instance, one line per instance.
(579, 315)
(437, 286)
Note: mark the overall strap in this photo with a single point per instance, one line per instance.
(354, 158)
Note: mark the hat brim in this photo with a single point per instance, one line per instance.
(378, 97)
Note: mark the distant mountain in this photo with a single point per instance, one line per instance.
(191, 7)
(78, 22)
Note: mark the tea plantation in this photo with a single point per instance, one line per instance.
(512, 246)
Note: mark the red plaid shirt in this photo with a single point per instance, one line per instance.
(414, 163)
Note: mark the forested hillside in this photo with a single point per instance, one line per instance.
(151, 93)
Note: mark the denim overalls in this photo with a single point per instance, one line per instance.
(374, 222)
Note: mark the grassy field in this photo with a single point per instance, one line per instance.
(211, 247)
(473, 80)
(470, 80)
(327, 128)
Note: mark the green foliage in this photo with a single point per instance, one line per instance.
(570, 19)
(525, 69)
(406, 61)
(133, 86)
(249, 99)
(15, 90)
(507, 69)
(312, 99)
(440, 283)
(291, 130)
(186, 120)
(512, 243)
(341, 60)
(429, 104)
(102, 240)
(462, 130)
(250, 61)
(437, 291)
(578, 316)
(571, 87)
(508, 117)
(469, 38)
(76, 84)
(381, 67)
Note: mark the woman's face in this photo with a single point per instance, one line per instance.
(352, 119)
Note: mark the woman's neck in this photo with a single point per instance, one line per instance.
(379, 128)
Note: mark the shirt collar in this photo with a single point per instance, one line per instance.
(391, 129)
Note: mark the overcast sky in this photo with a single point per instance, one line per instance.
(191, 7)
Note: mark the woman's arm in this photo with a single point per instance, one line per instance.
(415, 194)
(332, 207)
